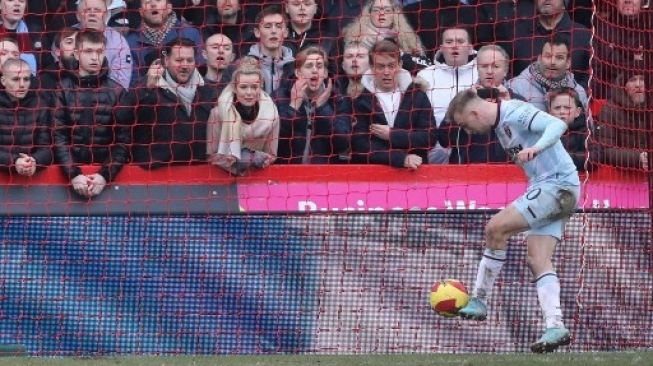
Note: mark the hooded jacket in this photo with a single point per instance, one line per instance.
(446, 81)
(272, 68)
(414, 130)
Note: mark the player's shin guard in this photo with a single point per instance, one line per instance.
(488, 271)
(548, 293)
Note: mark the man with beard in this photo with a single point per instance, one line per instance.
(172, 110)
(550, 71)
(90, 127)
(552, 20)
(159, 25)
(63, 49)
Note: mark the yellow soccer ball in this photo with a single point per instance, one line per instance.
(448, 296)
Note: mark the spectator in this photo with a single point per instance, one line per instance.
(383, 19)
(454, 71)
(25, 143)
(219, 54)
(12, 25)
(63, 49)
(565, 104)
(227, 18)
(624, 124)
(88, 127)
(395, 123)
(550, 71)
(93, 14)
(172, 110)
(552, 19)
(617, 46)
(307, 127)
(492, 63)
(305, 29)
(271, 31)
(8, 49)
(243, 128)
(355, 63)
(159, 25)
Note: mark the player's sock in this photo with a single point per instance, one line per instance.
(488, 271)
(548, 293)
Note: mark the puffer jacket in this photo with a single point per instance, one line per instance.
(25, 128)
(91, 124)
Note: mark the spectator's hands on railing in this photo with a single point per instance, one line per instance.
(96, 184)
(412, 161)
(80, 185)
(325, 95)
(380, 131)
(25, 165)
(504, 94)
(154, 73)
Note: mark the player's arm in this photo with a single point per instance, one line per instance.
(550, 127)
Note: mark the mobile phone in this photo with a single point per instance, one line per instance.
(488, 93)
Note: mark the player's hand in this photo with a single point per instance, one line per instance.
(298, 93)
(412, 161)
(25, 165)
(80, 185)
(154, 73)
(643, 160)
(380, 131)
(527, 154)
(96, 184)
(325, 95)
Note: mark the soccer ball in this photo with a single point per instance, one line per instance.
(448, 296)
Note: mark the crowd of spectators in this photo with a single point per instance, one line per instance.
(244, 84)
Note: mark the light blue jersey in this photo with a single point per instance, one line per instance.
(553, 184)
(521, 125)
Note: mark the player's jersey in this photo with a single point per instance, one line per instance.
(521, 125)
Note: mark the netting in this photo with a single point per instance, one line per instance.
(151, 206)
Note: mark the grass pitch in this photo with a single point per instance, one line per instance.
(525, 359)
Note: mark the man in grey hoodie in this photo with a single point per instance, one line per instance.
(550, 71)
(276, 60)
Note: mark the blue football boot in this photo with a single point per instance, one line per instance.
(474, 310)
(551, 339)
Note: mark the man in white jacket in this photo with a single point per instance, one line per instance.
(454, 71)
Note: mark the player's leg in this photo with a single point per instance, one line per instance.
(540, 254)
(506, 223)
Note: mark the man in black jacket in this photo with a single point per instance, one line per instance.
(91, 126)
(24, 121)
(172, 110)
(394, 122)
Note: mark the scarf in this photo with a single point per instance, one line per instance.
(184, 92)
(155, 36)
(225, 129)
(546, 83)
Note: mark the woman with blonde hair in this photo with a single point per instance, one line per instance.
(243, 128)
(383, 19)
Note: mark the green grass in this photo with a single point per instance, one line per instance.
(525, 359)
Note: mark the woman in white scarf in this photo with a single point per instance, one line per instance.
(243, 128)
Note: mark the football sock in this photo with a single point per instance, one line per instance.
(488, 271)
(548, 293)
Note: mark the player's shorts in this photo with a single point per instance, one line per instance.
(547, 206)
